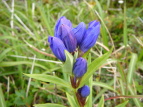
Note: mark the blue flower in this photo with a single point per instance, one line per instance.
(79, 32)
(84, 91)
(62, 20)
(57, 48)
(90, 36)
(80, 67)
(66, 35)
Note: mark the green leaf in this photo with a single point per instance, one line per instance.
(48, 105)
(71, 100)
(3, 54)
(122, 104)
(101, 102)
(14, 63)
(132, 68)
(89, 100)
(68, 65)
(50, 78)
(2, 100)
(94, 66)
(8, 37)
(101, 92)
(104, 85)
(8, 73)
(139, 87)
(136, 101)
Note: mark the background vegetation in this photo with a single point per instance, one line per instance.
(24, 27)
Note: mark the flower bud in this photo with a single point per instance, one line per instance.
(62, 20)
(90, 36)
(84, 91)
(79, 32)
(57, 48)
(80, 67)
(66, 35)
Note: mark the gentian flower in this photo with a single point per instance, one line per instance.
(79, 32)
(84, 91)
(80, 67)
(57, 48)
(62, 20)
(90, 36)
(66, 35)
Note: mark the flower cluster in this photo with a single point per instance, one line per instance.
(79, 39)
(68, 38)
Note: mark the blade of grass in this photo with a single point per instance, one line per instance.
(123, 104)
(137, 102)
(102, 91)
(45, 18)
(125, 39)
(48, 105)
(132, 65)
(89, 101)
(3, 54)
(2, 100)
(15, 63)
(50, 78)
(104, 85)
(101, 102)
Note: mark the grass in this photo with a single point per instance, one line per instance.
(24, 28)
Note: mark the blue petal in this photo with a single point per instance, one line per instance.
(91, 36)
(80, 67)
(66, 35)
(79, 32)
(57, 47)
(62, 20)
(84, 91)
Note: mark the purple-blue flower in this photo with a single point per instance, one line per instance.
(80, 67)
(84, 91)
(79, 32)
(62, 20)
(66, 35)
(57, 47)
(90, 36)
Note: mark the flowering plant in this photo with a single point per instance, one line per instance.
(70, 45)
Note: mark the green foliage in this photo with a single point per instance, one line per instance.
(122, 104)
(94, 66)
(23, 40)
(101, 102)
(48, 105)
(50, 78)
(2, 100)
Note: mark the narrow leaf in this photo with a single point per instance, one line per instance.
(2, 100)
(104, 85)
(71, 100)
(136, 101)
(68, 65)
(3, 54)
(131, 68)
(123, 104)
(110, 83)
(94, 66)
(89, 100)
(101, 102)
(48, 105)
(14, 63)
(50, 78)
